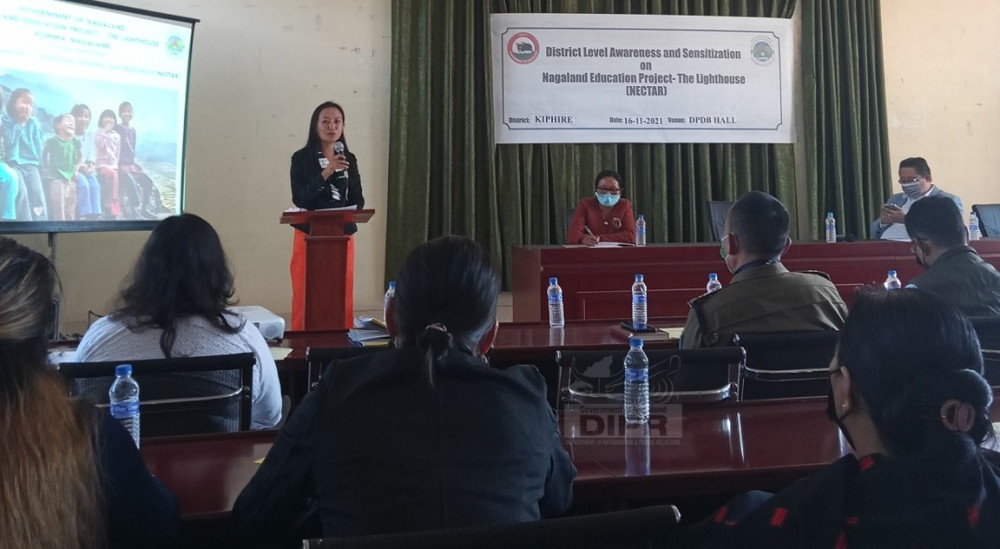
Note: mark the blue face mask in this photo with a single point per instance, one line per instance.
(607, 200)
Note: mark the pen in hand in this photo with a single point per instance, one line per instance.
(587, 229)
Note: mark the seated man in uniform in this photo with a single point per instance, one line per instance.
(763, 295)
(955, 272)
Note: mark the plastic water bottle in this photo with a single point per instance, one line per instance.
(892, 282)
(388, 297)
(556, 317)
(639, 303)
(637, 451)
(124, 398)
(831, 227)
(640, 231)
(974, 233)
(713, 283)
(636, 383)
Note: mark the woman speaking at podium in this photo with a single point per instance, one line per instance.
(324, 175)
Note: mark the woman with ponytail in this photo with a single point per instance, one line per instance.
(908, 394)
(69, 476)
(424, 436)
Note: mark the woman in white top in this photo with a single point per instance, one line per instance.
(176, 305)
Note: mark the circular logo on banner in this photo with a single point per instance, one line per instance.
(175, 45)
(762, 50)
(522, 48)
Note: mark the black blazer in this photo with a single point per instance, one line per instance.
(312, 192)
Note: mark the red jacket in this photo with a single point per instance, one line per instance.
(614, 225)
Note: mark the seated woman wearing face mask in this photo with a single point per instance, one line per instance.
(907, 393)
(604, 218)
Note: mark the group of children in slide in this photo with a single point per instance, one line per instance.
(76, 174)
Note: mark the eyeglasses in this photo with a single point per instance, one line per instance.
(606, 191)
(910, 180)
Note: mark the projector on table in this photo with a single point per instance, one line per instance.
(271, 326)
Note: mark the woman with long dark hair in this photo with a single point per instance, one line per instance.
(424, 436)
(69, 476)
(324, 174)
(908, 394)
(176, 303)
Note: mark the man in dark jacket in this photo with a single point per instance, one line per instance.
(955, 272)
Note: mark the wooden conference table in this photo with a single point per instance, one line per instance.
(596, 282)
(516, 343)
(708, 450)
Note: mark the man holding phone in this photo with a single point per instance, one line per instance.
(915, 178)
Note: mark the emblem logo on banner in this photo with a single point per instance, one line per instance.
(522, 48)
(762, 51)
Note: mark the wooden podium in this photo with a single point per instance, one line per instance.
(329, 287)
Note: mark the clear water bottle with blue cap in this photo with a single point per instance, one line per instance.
(831, 227)
(124, 398)
(389, 294)
(639, 303)
(640, 231)
(974, 232)
(557, 317)
(892, 281)
(713, 283)
(636, 383)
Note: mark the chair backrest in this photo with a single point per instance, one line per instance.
(785, 364)
(676, 376)
(717, 211)
(177, 396)
(988, 330)
(989, 219)
(644, 527)
(320, 358)
(567, 218)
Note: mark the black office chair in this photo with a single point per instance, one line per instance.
(717, 211)
(675, 376)
(177, 396)
(320, 358)
(785, 364)
(567, 219)
(644, 527)
(989, 219)
(988, 330)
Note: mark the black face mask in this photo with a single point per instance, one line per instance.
(831, 412)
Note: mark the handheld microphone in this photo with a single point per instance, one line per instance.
(338, 149)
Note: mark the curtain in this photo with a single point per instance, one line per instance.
(843, 95)
(446, 176)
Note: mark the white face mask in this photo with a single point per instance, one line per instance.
(912, 190)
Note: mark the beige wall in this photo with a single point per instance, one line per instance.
(943, 91)
(259, 69)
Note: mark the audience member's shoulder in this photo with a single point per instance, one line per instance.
(526, 373)
(105, 326)
(820, 274)
(349, 373)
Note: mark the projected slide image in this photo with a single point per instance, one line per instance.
(93, 107)
(125, 140)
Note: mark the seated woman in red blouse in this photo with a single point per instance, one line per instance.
(604, 218)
